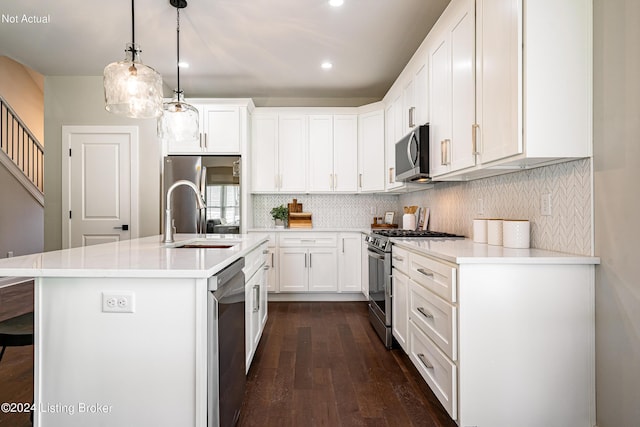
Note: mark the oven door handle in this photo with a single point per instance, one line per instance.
(375, 255)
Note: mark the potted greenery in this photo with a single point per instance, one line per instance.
(280, 215)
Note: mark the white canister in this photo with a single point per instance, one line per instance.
(515, 233)
(480, 230)
(409, 221)
(494, 232)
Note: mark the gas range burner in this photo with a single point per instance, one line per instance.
(416, 233)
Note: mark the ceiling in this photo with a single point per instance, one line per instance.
(269, 50)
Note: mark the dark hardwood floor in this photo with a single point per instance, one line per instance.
(318, 364)
(321, 364)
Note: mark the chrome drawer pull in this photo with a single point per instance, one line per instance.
(425, 272)
(256, 290)
(424, 361)
(425, 313)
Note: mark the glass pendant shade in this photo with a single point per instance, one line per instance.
(179, 121)
(132, 89)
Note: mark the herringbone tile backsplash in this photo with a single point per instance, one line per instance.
(454, 205)
(518, 196)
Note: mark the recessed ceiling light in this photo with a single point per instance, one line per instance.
(183, 64)
(336, 3)
(327, 65)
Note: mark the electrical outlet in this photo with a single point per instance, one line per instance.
(545, 204)
(118, 302)
(480, 207)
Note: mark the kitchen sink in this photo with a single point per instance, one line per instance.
(204, 245)
(207, 244)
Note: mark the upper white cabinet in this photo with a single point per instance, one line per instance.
(333, 153)
(223, 128)
(278, 155)
(533, 85)
(371, 151)
(452, 88)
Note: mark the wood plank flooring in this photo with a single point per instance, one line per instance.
(321, 364)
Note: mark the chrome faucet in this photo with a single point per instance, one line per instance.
(168, 220)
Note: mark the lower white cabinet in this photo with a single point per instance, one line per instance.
(501, 341)
(349, 259)
(256, 277)
(308, 269)
(399, 305)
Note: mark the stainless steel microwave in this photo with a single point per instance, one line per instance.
(412, 156)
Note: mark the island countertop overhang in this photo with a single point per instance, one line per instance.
(146, 257)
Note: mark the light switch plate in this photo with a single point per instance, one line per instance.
(545, 204)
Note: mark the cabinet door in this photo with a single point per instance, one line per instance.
(221, 129)
(292, 153)
(263, 307)
(349, 263)
(323, 270)
(272, 273)
(264, 153)
(399, 308)
(364, 271)
(498, 100)
(251, 317)
(393, 133)
(321, 153)
(421, 94)
(440, 90)
(293, 268)
(463, 88)
(371, 151)
(345, 153)
(409, 107)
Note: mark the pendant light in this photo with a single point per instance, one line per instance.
(132, 89)
(179, 121)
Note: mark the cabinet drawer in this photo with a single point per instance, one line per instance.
(307, 240)
(254, 260)
(400, 259)
(435, 317)
(438, 277)
(436, 369)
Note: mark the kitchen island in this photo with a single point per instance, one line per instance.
(144, 365)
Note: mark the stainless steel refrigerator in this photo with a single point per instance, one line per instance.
(218, 178)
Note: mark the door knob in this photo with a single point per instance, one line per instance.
(123, 227)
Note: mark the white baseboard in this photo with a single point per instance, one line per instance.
(315, 297)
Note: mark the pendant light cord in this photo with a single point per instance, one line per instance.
(133, 27)
(178, 48)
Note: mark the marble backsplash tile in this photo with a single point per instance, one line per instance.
(329, 210)
(518, 196)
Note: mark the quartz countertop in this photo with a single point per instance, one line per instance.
(308, 230)
(466, 251)
(144, 257)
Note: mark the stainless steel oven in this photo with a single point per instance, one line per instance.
(379, 256)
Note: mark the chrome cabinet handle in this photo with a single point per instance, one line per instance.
(272, 259)
(425, 313)
(305, 260)
(390, 175)
(343, 245)
(427, 273)
(448, 142)
(442, 153)
(256, 298)
(425, 361)
(205, 141)
(412, 111)
(310, 260)
(200, 137)
(360, 180)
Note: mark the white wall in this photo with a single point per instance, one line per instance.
(617, 209)
(80, 101)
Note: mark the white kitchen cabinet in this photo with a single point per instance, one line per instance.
(333, 153)
(279, 150)
(511, 328)
(529, 115)
(272, 272)
(452, 89)
(399, 307)
(221, 128)
(255, 272)
(349, 262)
(371, 175)
(308, 262)
(393, 133)
(364, 267)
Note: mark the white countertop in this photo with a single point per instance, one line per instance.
(307, 230)
(465, 251)
(145, 257)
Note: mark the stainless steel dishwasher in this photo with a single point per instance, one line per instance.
(226, 370)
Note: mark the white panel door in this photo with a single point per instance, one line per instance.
(323, 270)
(292, 153)
(293, 269)
(349, 264)
(371, 151)
(221, 129)
(101, 184)
(264, 153)
(440, 89)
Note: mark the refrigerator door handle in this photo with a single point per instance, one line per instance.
(202, 216)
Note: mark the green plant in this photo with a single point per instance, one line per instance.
(280, 212)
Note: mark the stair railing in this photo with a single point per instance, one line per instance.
(18, 142)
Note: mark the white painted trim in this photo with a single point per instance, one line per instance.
(67, 131)
(21, 177)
